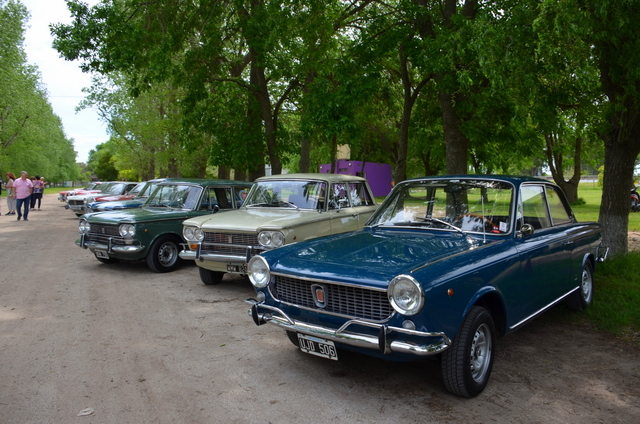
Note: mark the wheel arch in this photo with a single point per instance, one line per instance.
(493, 302)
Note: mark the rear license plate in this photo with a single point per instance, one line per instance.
(102, 254)
(318, 347)
(239, 268)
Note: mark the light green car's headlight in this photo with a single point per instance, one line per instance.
(271, 239)
(192, 234)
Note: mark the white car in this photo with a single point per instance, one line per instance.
(77, 202)
(279, 210)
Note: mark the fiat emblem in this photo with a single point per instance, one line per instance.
(319, 293)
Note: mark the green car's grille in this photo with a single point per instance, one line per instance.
(102, 233)
(354, 302)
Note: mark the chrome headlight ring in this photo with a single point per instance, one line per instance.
(258, 271)
(84, 226)
(127, 230)
(406, 295)
(192, 233)
(271, 239)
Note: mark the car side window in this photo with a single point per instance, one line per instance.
(339, 197)
(559, 214)
(360, 195)
(534, 207)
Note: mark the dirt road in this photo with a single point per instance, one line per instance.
(126, 345)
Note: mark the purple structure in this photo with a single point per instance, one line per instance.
(378, 174)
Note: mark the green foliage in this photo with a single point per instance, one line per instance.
(616, 306)
(31, 136)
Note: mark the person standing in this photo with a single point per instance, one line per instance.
(11, 198)
(22, 189)
(38, 189)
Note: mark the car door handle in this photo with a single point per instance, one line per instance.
(567, 243)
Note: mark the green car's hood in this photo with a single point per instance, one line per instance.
(144, 214)
(252, 219)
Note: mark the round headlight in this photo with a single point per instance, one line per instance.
(277, 239)
(127, 230)
(271, 239)
(406, 295)
(264, 238)
(83, 226)
(258, 271)
(187, 233)
(198, 234)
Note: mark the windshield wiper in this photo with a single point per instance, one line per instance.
(439, 221)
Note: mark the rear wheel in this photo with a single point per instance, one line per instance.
(210, 278)
(467, 364)
(582, 298)
(163, 255)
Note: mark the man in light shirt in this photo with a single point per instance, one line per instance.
(22, 188)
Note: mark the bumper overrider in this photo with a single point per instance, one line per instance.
(109, 247)
(262, 314)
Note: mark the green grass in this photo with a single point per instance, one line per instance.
(616, 305)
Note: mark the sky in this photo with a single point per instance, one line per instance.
(63, 80)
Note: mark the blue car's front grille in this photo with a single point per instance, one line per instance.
(354, 302)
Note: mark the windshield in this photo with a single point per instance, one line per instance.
(454, 205)
(287, 194)
(113, 188)
(175, 196)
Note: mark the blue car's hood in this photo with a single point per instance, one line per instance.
(370, 257)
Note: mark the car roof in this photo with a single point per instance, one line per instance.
(204, 182)
(514, 179)
(312, 176)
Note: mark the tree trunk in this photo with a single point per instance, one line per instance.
(304, 164)
(554, 160)
(457, 144)
(270, 124)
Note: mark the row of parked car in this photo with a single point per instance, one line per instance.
(443, 266)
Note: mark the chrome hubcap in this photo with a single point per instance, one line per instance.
(167, 254)
(586, 285)
(480, 353)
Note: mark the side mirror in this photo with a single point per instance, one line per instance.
(216, 208)
(527, 229)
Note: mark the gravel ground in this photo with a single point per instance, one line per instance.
(124, 345)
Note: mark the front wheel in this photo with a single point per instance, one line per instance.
(210, 278)
(580, 299)
(467, 364)
(163, 255)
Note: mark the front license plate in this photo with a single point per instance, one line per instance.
(318, 347)
(102, 254)
(239, 268)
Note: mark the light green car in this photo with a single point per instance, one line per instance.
(279, 210)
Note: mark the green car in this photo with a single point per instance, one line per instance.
(154, 231)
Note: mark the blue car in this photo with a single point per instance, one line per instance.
(443, 267)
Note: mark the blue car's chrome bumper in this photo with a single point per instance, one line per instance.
(263, 314)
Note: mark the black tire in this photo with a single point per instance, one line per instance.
(634, 204)
(107, 260)
(293, 337)
(163, 254)
(210, 278)
(467, 364)
(582, 298)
